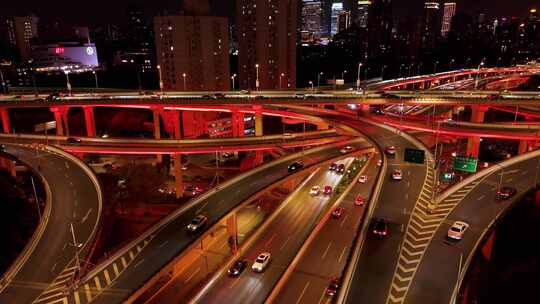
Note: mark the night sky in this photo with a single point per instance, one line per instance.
(102, 11)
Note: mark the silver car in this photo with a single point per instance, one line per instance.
(261, 262)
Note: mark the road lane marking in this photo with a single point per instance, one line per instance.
(97, 283)
(192, 275)
(163, 244)
(322, 297)
(85, 217)
(303, 292)
(344, 220)
(77, 297)
(284, 243)
(87, 293)
(124, 263)
(115, 269)
(107, 277)
(342, 253)
(326, 251)
(481, 197)
(270, 240)
(138, 263)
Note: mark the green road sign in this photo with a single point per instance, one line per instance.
(415, 156)
(466, 164)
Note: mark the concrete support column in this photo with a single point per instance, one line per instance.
(178, 178)
(237, 123)
(89, 121)
(259, 158)
(258, 120)
(156, 113)
(473, 143)
(58, 117)
(6, 123)
(232, 232)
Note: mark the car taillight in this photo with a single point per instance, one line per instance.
(384, 233)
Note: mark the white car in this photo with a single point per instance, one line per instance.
(457, 230)
(397, 175)
(390, 151)
(346, 149)
(315, 190)
(362, 179)
(261, 262)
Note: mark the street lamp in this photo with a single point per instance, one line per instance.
(160, 79)
(400, 69)
(319, 79)
(96, 79)
(435, 67)
(281, 77)
(382, 71)
(343, 75)
(478, 74)
(3, 82)
(358, 77)
(233, 82)
(312, 86)
(184, 75)
(68, 83)
(451, 64)
(257, 78)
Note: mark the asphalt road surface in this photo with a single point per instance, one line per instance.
(326, 257)
(124, 275)
(75, 200)
(282, 238)
(438, 271)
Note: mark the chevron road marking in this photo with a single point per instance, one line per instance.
(422, 225)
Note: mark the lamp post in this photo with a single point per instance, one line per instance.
(233, 77)
(419, 68)
(343, 75)
(96, 79)
(3, 82)
(68, 83)
(184, 75)
(319, 79)
(160, 78)
(435, 67)
(358, 77)
(312, 86)
(451, 63)
(400, 70)
(281, 77)
(382, 71)
(478, 75)
(257, 78)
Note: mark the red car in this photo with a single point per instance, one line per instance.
(338, 212)
(328, 190)
(359, 201)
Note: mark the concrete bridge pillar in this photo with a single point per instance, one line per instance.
(473, 143)
(6, 123)
(237, 123)
(61, 118)
(89, 121)
(232, 232)
(178, 178)
(525, 146)
(258, 120)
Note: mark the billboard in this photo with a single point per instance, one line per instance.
(65, 56)
(415, 156)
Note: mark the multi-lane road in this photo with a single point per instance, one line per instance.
(74, 199)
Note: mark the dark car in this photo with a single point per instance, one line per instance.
(73, 140)
(505, 193)
(333, 287)
(295, 166)
(237, 267)
(380, 228)
(340, 168)
(332, 167)
(338, 212)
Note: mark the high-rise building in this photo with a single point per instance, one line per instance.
(380, 22)
(344, 20)
(267, 43)
(362, 13)
(312, 18)
(193, 52)
(326, 19)
(431, 25)
(337, 8)
(25, 29)
(139, 42)
(449, 13)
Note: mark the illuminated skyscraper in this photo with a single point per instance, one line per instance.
(431, 24)
(344, 20)
(312, 18)
(337, 8)
(449, 13)
(363, 13)
(266, 31)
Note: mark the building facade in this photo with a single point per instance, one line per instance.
(431, 25)
(25, 29)
(448, 15)
(266, 31)
(192, 52)
(311, 19)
